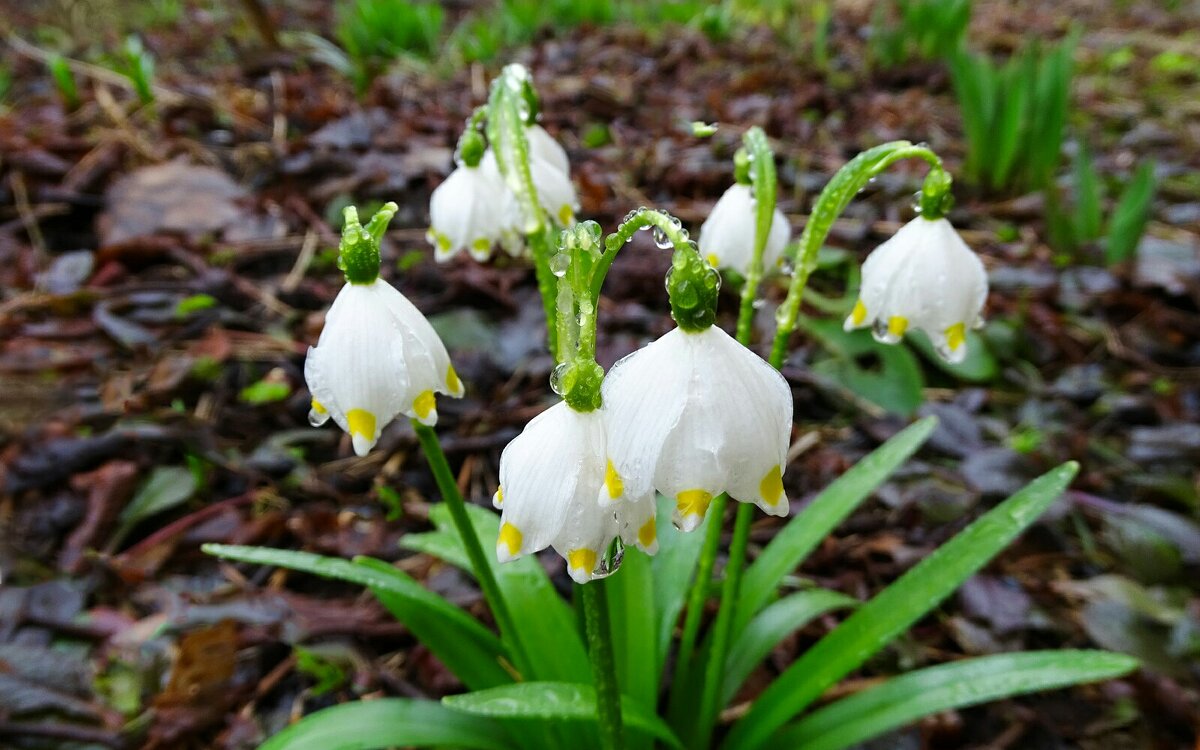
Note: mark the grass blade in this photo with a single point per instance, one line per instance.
(1088, 218)
(1130, 216)
(895, 609)
(804, 532)
(905, 699)
(389, 722)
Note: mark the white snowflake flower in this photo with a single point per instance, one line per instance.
(924, 277)
(727, 235)
(549, 478)
(377, 357)
(471, 211)
(692, 415)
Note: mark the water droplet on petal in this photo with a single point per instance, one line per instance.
(611, 561)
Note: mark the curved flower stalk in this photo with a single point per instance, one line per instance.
(377, 356)
(924, 277)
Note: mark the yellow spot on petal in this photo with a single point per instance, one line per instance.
(582, 559)
(481, 244)
(648, 533)
(613, 482)
(897, 325)
(771, 486)
(693, 502)
(424, 404)
(361, 422)
(510, 537)
(713, 260)
(956, 336)
(565, 215)
(318, 407)
(859, 314)
(453, 384)
(498, 498)
(443, 242)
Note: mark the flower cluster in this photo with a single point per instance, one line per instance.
(477, 208)
(690, 416)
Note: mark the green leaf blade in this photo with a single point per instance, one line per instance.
(770, 627)
(904, 699)
(465, 646)
(389, 722)
(895, 609)
(556, 701)
(804, 532)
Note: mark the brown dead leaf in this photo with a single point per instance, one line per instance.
(172, 197)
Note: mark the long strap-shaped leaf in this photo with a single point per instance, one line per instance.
(389, 722)
(771, 626)
(905, 699)
(556, 701)
(804, 532)
(467, 648)
(894, 609)
(539, 613)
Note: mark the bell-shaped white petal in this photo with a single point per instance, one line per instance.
(466, 211)
(549, 477)
(543, 146)
(923, 277)
(727, 235)
(553, 185)
(377, 357)
(692, 415)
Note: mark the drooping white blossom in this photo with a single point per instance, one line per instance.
(924, 277)
(727, 235)
(377, 357)
(471, 210)
(549, 478)
(692, 415)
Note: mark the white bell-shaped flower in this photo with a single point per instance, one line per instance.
(470, 210)
(549, 478)
(727, 235)
(555, 191)
(377, 357)
(923, 277)
(543, 146)
(692, 415)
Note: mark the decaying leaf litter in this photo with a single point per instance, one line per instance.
(166, 268)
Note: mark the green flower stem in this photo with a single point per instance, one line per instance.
(541, 247)
(510, 104)
(634, 221)
(846, 184)
(458, 513)
(762, 175)
(604, 671)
